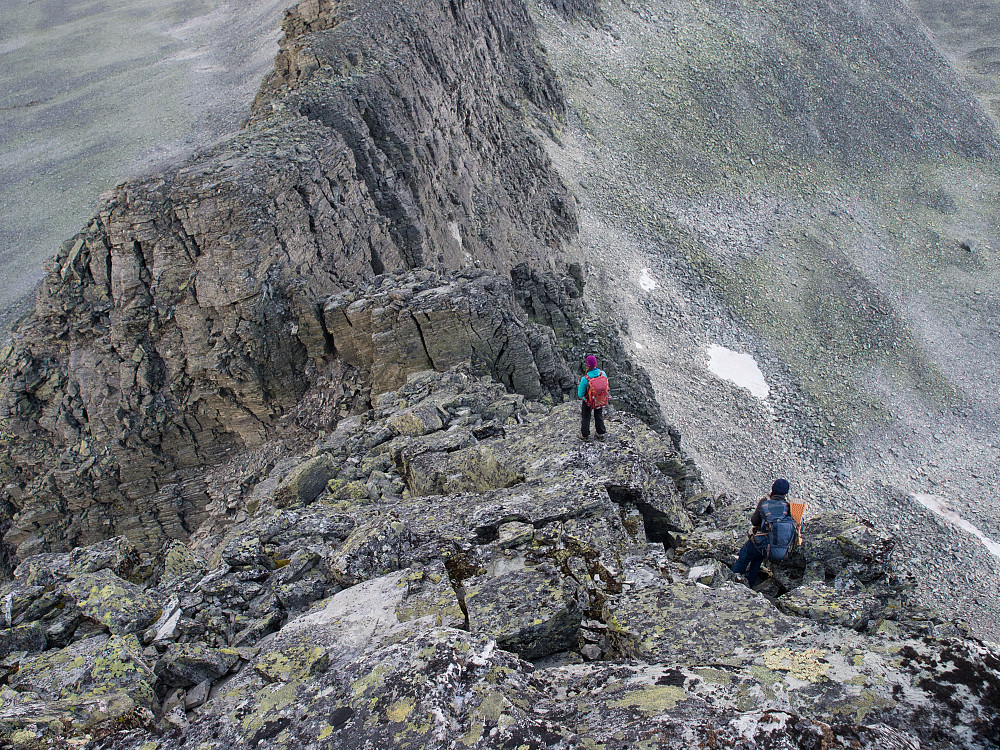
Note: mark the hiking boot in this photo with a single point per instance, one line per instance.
(601, 435)
(583, 437)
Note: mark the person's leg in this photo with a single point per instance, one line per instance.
(744, 559)
(599, 427)
(584, 420)
(749, 562)
(754, 568)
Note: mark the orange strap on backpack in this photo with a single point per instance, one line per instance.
(797, 509)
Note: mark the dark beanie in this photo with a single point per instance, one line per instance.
(591, 361)
(780, 487)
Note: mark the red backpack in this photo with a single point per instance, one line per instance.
(598, 391)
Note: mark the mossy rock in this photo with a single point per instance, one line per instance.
(120, 606)
(306, 482)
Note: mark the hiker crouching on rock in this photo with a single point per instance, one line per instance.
(595, 393)
(774, 533)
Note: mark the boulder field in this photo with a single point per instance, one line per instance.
(456, 568)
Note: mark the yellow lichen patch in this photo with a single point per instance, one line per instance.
(294, 663)
(151, 745)
(804, 665)
(325, 732)
(714, 676)
(474, 734)
(399, 710)
(371, 680)
(271, 701)
(653, 699)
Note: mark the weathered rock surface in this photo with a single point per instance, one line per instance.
(526, 604)
(332, 353)
(191, 320)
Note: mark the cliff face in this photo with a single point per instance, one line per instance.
(188, 319)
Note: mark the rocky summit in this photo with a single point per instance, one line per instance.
(455, 568)
(290, 453)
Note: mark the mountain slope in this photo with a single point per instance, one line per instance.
(814, 184)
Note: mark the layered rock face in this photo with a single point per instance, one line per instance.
(190, 320)
(455, 568)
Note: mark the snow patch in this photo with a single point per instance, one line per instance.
(941, 508)
(646, 281)
(737, 368)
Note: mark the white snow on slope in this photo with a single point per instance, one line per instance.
(941, 508)
(737, 368)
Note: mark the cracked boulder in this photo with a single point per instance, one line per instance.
(533, 612)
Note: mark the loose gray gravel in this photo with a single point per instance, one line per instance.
(93, 93)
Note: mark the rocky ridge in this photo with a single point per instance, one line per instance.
(284, 457)
(191, 322)
(455, 568)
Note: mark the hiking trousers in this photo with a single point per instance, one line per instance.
(585, 420)
(749, 561)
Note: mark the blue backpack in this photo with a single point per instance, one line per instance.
(779, 527)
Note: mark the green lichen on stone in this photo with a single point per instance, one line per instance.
(803, 665)
(715, 676)
(271, 701)
(292, 663)
(371, 681)
(347, 489)
(654, 699)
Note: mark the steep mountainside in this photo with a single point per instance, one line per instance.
(814, 184)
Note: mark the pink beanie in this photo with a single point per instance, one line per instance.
(591, 361)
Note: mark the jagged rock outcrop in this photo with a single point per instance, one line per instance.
(526, 606)
(185, 322)
(353, 346)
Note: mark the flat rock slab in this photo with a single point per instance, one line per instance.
(685, 623)
(532, 612)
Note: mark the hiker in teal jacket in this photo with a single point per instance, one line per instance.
(594, 394)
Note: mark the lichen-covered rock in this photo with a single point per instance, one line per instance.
(305, 483)
(100, 683)
(831, 606)
(118, 605)
(246, 552)
(658, 622)
(374, 548)
(29, 637)
(188, 664)
(840, 542)
(118, 555)
(532, 612)
(180, 562)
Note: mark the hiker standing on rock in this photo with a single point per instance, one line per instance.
(775, 531)
(595, 393)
